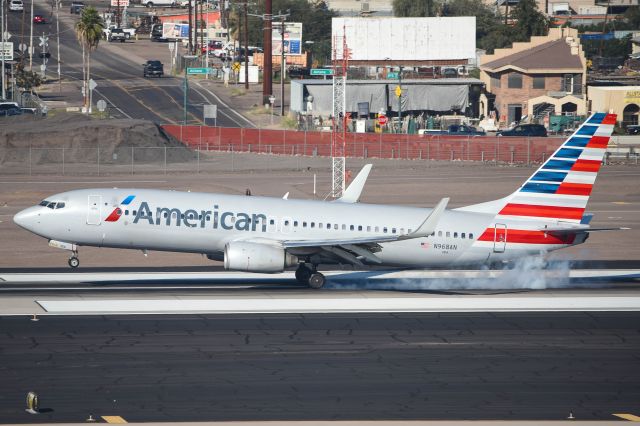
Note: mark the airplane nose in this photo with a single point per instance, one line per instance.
(26, 218)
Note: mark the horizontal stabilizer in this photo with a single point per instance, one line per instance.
(579, 229)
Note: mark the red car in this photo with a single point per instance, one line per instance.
(38, 19)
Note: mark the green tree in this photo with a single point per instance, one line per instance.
(491, 32)
(418, 8)
(529, 21)
(89, 32)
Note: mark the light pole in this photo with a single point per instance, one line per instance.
(4, 92)
(186, 58)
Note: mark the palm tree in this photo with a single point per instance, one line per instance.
(89, 33)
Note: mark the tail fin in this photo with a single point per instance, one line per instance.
(560, 188)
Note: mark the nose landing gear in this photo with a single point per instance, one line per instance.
(74, 262)
(310, 276)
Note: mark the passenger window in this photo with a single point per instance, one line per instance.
(359, 227)
(126, 212)
(286, 223)
(463, 235)
(335, 226)
(448, 234)
(455, 235)
(313, 224)
(304, 224)
(295, 223)
(385, 229)
(352, 228)
(368, 229)
(377, 229)
(328, 226)
(134, 212)
(470, 236)
(272, 222)
(344, 227)
(393, 230)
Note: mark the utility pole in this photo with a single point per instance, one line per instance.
(246, 45)
(4, 90)
(190, 44)
(268, 62)
(31, 49)
(282, 65)
(58, 43)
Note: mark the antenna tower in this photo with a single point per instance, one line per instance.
(339, 117)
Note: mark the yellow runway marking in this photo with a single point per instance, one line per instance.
(621, 203)
(114, 419)
(629, 417)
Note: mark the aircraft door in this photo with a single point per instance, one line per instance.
(94, 210)
(500, 238)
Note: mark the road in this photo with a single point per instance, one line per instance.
(322, 367)
(117, 70)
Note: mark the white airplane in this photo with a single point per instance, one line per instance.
(263, 234)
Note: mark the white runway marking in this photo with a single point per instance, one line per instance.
(357, 304)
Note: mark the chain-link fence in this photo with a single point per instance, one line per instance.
(226, 158)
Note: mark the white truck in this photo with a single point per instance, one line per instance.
(128, 32)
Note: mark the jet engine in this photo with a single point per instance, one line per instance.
(255, 257)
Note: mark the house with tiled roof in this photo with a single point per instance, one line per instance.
(531, 80)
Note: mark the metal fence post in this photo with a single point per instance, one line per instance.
(198, 161)
(30, 155)
(496, 149)
(63, 161)
(98, 149)
(233, 166)
(528, 150)
(132, 163)
(165, 160)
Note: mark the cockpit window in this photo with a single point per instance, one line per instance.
(60, 205)
(52, 205)
(44, 203)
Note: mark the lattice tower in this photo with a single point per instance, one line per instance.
(340, 56)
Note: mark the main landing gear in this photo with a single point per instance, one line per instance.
(310, 276)
(74, 262)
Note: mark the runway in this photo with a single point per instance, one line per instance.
(506, 366)
(216, 346)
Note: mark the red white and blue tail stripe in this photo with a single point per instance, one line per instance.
(560, 188)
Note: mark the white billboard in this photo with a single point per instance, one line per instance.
(292, 38)
(174, 31)
(410, 39)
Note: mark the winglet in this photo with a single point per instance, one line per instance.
(286, 196)
(430, 223)
(353, 192)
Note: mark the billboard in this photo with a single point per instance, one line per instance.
(410, 39)
(292, 38)
(174, 31)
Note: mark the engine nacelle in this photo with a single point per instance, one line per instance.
(255, 257)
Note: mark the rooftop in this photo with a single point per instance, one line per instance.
(548, 56)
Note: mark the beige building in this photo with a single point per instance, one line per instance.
(621, 100)
(543, 76)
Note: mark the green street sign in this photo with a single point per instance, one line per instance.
(392, 75)
(321, 71)
(198, 71)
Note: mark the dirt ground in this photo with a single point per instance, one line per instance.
(615, 201)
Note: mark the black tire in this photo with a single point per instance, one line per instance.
(74, 262)
(149, 4)
(316, 280)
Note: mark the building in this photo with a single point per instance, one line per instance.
(534, 79)
(621, 100)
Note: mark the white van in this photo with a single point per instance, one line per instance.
(152, 3)
(16, 6)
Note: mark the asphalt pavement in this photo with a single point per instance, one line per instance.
(322, 367)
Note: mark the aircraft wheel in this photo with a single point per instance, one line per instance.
(316, 280)
(302, 274)
(74, 262)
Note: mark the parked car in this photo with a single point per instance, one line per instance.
(76, 7)
(9, 109)
(117, 34)
(152, 3)
(537, 130)
(456, 130)
(153, 68)
(16, 6)
(39, 19)
(633, 130)
(213, 45)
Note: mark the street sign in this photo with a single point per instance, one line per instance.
(7, 35)
(382, 120)
(398, 91)
(102, 105)
(172, 46)
(211, 111)
(392, 75)
(92, 84)
(43, 40)
(236, 67)
(6, 50)
(321, 71)
(200, 71)
(43, 67)
(22, 47)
